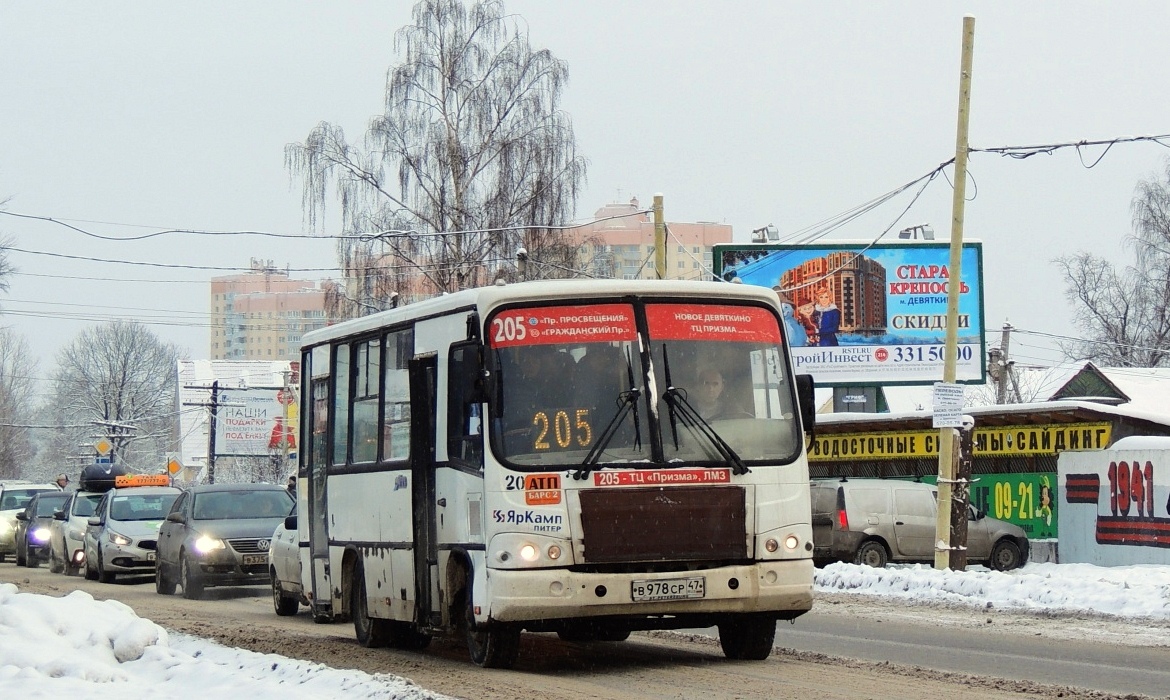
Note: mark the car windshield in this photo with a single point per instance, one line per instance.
(139, 506)
(84, 504)
(14, 499)
(239, 505)
(48, 503)
(574, 386)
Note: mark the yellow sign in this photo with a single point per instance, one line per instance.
(129, 480)
(103, 447)
(1020, 440)
(174, 466)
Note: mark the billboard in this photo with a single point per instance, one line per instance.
(252, 422)
(860, 313)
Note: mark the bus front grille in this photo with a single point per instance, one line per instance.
(689, 523)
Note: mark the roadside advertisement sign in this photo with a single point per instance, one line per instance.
(860, 313)
(251, 422)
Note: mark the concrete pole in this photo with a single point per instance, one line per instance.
(659, 239)
(946, 452)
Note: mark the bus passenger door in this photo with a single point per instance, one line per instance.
(423, 406)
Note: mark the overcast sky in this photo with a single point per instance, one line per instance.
(124, 118)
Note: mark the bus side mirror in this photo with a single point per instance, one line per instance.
(806, 397)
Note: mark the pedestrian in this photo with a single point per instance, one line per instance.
(292, 485)
(62, 481)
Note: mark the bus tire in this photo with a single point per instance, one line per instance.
(371, 632)
(491, 645)
(748, 637)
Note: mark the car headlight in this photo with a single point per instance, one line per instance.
(5, 526)
(41, 534)
(120, 540)
(206, 544)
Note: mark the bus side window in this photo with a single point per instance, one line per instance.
(464, 404)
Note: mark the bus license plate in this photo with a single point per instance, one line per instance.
(250, 559)
(669, 589)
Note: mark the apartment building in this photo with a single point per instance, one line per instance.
(262, 314)
(620, 244)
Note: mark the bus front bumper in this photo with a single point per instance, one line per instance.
(783, 588)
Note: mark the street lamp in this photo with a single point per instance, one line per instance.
(912, 232)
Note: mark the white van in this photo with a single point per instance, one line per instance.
(876, 521)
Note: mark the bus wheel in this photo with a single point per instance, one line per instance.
(492, 645)
(371, 632)
(749, 637)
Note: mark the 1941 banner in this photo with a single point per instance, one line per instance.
(864, 313)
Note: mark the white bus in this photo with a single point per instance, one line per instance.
(580, 457)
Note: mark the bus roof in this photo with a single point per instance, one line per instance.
(485, 298)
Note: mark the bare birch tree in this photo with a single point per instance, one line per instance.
(17, 392)
(1124, 316)
(118, 381)
(471, 161)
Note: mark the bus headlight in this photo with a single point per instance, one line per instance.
(514, 550)
(771, 545)
(791, 542)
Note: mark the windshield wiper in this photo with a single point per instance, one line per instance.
(627, 401)
(682, 410)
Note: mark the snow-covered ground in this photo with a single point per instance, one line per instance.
(75, 646)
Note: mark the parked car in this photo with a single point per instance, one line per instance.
(875, 521)
(122, 535)
(284, 568)
(67, 532)
(32, 527)
(219, 535)
(14, 496)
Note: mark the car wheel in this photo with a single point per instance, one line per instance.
(91, 573)
(21, 556)
(56, 566)
(750, 637)
(285, 605)
(371, 632)
(163, 585)
(30, 559)
(873, 554)
(103, 575)
(189, 578)
(3, 557)
(1005, 556)
(493, 645)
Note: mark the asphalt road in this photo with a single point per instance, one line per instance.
(985, 644)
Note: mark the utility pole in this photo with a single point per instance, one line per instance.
(964, 448)
(659, 239)
(213, 404)
(946, 457)
(1001, 370)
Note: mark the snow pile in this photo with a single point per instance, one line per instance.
(75, 646)
(1125, 591)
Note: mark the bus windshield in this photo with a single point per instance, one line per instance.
(579, 386)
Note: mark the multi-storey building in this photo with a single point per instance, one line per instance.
(855, 283)
(262, 314)
(620, 244)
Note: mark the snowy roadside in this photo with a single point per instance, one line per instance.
(75, 646)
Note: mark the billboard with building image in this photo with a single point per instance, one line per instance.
(860, 313)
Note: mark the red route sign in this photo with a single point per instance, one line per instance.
(743, 324)
(548, 325)
(661, 477)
